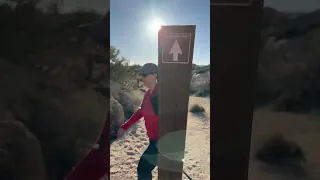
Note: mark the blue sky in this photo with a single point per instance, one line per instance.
(132, 31)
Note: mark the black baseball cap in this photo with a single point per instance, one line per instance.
(148, 68)
(98, 31)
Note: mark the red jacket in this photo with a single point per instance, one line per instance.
(149, 111)
(96, 164)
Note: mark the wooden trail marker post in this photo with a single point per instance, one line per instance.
(235, 34)
(234, 3)
(175, 54)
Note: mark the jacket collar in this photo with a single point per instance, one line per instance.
(155, 90)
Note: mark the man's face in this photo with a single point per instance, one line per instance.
(100, 54)
(101, 51)
(97, 51)
(148, 79)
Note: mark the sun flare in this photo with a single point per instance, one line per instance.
(156, 25)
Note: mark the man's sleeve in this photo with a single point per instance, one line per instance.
(133, 119)
(104, 136)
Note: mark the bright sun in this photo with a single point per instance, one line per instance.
(156, 25)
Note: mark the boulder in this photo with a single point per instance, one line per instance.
(289, 66)
(21, 156)
(64, 122)
(116, 116)
(200, 83)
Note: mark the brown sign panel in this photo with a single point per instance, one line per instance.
(176, 48)
(175, 53)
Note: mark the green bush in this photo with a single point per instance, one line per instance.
(121, 71)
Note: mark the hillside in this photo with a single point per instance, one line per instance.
(50, 112)
(285, 121)
(289, 66)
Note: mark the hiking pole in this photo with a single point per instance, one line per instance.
(186, 175)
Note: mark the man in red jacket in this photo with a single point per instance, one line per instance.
(96, 164)
(149, 111)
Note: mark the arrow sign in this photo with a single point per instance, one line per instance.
(175, 50)
(175, 54)
(176, 46)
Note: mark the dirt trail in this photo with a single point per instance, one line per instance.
(125, 153)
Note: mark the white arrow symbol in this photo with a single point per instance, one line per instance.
(175, 50)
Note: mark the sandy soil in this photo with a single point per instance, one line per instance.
(125, 152)
(304, 130)
(301, 129)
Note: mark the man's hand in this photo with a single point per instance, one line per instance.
(95, 146)
(120, 132)
(105, 177)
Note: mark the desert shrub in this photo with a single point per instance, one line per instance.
(194, 66)
(205, 91)
(200, 84)
(278, 151)
(123, 80)
(202, 69)
(288, 73)
(197, 109)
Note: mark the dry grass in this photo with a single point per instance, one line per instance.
(280, 152)
(196, 108)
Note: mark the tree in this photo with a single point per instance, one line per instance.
(120, 70)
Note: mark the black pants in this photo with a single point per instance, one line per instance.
(148, 161)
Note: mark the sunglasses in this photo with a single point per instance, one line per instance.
(143, 75)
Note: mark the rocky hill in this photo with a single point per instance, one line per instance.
(200, 81)
(289, 63)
